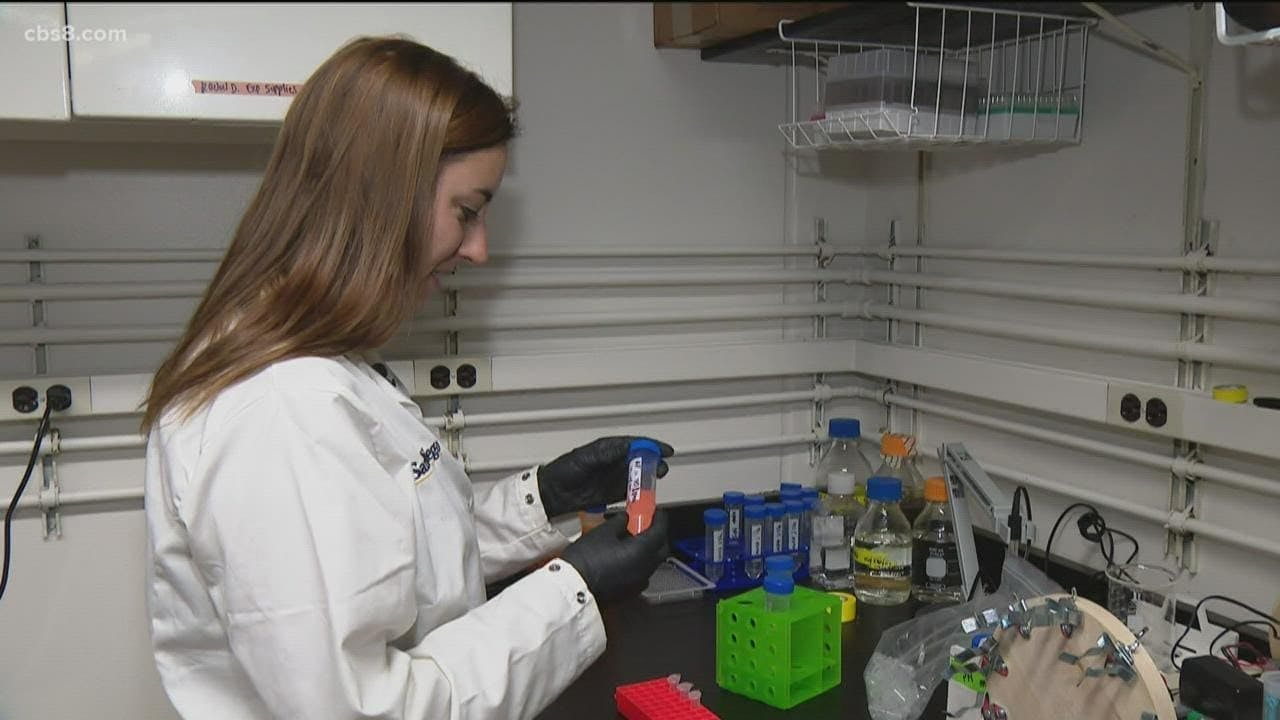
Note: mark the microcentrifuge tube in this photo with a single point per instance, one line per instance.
(685, 688)
(673, 680)
(695, 698)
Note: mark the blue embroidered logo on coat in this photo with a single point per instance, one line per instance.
(429, 457)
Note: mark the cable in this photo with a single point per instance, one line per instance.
(1173, 651)
(1239, 625)
(13, 506)
(1093, 527)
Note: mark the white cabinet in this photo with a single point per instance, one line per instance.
(33, 62)
(229, 62)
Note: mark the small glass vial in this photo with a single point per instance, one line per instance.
(754, 520)
(794, 520)
(715, 520)
(776, 533)
(777, 593)
(733, 504)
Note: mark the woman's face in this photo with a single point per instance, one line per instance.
(465, 187)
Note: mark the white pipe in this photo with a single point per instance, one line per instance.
(1188, 263)
(1204, 352)
(89, 336)
(87, 444)
(462, 420)
(99, 291)
(110, 256)
(570, 252)
(1230, 478)
(88, 497)
(1238, 309)
(486, 279)
(562, 320)
(681, 450)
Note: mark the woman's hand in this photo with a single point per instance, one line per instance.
(615, 564)
(594, 474)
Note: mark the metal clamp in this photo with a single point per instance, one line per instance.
(455, 420)
(50, 489)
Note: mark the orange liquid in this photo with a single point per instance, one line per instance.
(640, 511)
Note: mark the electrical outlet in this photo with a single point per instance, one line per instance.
(453, 375)
(80, 400)
(1151, 408)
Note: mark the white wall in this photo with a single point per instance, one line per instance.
(621, 143)
(1120, 191)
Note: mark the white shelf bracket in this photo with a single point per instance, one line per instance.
(1137, 39)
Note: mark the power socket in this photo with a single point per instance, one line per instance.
(80, 397)
(452, 375)
(1150, 408)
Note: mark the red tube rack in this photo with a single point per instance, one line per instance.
(657, 700)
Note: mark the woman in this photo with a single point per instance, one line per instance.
(314, 550)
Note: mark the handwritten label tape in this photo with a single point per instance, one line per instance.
(260, 89)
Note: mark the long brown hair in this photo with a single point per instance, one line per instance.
(329, 256)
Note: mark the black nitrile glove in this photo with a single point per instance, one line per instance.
(594, 474)
(616, 564)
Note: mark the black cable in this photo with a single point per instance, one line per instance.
(1093, 527)
(13, 506)
(1173, 651)
(1239, 625)
(1049, 543)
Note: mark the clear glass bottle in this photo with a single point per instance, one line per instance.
(713, 556)
(935, 559)
(895, 451)
(833, 533)
(754, 519)
(882, 547)
(844, 455)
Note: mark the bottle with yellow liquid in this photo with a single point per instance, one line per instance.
(882, 547)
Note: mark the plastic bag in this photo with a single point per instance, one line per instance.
(912, 658)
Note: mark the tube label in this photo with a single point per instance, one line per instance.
(778, 537)
(717, 545)
(635, 471)
(735, 523)
(793, 533)
(757, 540)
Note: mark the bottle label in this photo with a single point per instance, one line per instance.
(735, 524)
(883, 561)
(936, 565)
(778, 537)
(793, 533)
(757, 540)
(717, 545)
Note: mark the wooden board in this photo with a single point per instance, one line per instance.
(1039, 685)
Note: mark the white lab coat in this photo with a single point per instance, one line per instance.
(315, 552)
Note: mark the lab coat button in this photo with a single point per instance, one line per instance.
(554, 567)
(525, 476)
(582, 598)
(528, 499)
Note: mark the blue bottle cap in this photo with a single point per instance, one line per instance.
(780, 565)
(790, 486)
(884, 489)
(754, 500)
(776, 510)
(754, 512)
(733, 497)
(715, 516)
(779, 585)
(790, 495)
(844, 428)
(645, 445)
(597, 509)
(794, 506)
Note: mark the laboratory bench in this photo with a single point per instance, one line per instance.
(653, 641)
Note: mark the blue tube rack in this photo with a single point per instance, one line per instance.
(735, 573)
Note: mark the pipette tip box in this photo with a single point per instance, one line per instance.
(657, 700)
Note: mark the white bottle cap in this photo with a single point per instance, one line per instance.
(840, 483)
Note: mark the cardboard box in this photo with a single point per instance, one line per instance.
(703, 24)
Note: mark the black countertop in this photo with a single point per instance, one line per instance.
(652, 641)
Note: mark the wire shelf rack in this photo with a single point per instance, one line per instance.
(962, 76)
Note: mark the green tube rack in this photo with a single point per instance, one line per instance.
(778, 658)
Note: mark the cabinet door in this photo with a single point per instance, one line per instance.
(233, 61)
(33, 62)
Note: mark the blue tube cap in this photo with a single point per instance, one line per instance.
(809, 492)
(775, 510)
(780, 565)
(790, 486)
(812, 504)
(786, 495)
(794, 506)
(733, 497)
(645, 445)
(754, 512)
(844, 428)
(755, 500)
(715, 516)
(779, 585)
(884, 489)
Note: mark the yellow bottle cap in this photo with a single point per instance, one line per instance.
(848, 606)
(1231, 393)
